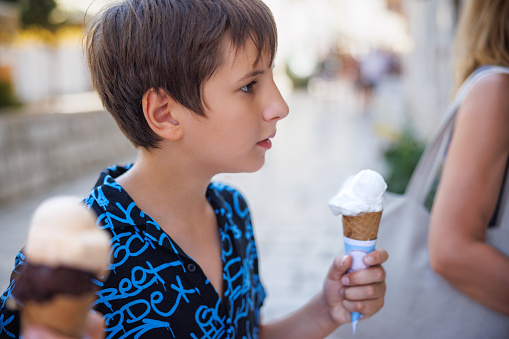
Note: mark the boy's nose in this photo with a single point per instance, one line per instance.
(276, 108)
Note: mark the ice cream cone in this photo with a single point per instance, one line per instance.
(363, 226)
(65, 253)
(359, 194)
(63, 314)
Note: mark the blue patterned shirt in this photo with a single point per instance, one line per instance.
(154, 289)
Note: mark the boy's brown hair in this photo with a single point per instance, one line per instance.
(171, 45)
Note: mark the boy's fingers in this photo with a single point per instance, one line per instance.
(367, 307)
(39, 332)
(94, 329)
(364, 292)
(33, 333)
(94, 326)
(377, 257)
(339, 267)
(370, 275)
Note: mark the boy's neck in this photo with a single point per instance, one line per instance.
(166, 190)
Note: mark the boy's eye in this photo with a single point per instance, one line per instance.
(248, 88)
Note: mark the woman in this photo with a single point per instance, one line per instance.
(474, 170)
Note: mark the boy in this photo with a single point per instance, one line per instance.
(190, 84)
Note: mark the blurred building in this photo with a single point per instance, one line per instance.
(41, 64)
(42, 70)
(428, 74)
(419, 32)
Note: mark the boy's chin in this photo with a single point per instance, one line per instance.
(248, 168)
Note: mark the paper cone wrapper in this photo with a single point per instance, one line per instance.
(64, 314)
(360, 234)
(363, 226)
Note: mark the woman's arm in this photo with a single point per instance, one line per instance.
(362, 291)
(468, 193)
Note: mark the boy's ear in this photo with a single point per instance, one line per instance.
(159, 108)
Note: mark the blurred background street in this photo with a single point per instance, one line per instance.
(316, 147)
(367, 82)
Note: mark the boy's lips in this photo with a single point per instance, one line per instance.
(266, 143)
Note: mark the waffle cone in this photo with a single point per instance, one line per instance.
(363, 226)
(66, 315)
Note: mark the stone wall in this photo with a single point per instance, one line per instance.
(41, 150)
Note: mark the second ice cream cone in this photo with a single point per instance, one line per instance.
(363, 226)
(65, 253)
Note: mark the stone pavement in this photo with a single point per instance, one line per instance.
(317, 146)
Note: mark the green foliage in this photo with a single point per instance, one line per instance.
(401, 158)
(36, 13)
(297, 81)
(7, 97)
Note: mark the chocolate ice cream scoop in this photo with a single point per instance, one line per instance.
(65, 251)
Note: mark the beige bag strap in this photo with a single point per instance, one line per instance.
(431, 160)
(503, 209)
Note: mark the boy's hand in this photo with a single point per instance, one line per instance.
(94, 330)
(362, 291)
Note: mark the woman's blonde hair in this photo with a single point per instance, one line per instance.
(482, 36)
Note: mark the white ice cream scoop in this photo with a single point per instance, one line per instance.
(361, 193)
(64, 233)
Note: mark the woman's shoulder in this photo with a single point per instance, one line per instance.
(485, 113)
(488, 98)
(494, 82)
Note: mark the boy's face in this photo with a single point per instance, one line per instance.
(242, 106)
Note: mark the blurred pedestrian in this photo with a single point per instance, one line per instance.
(372, 68)
(469, 197)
